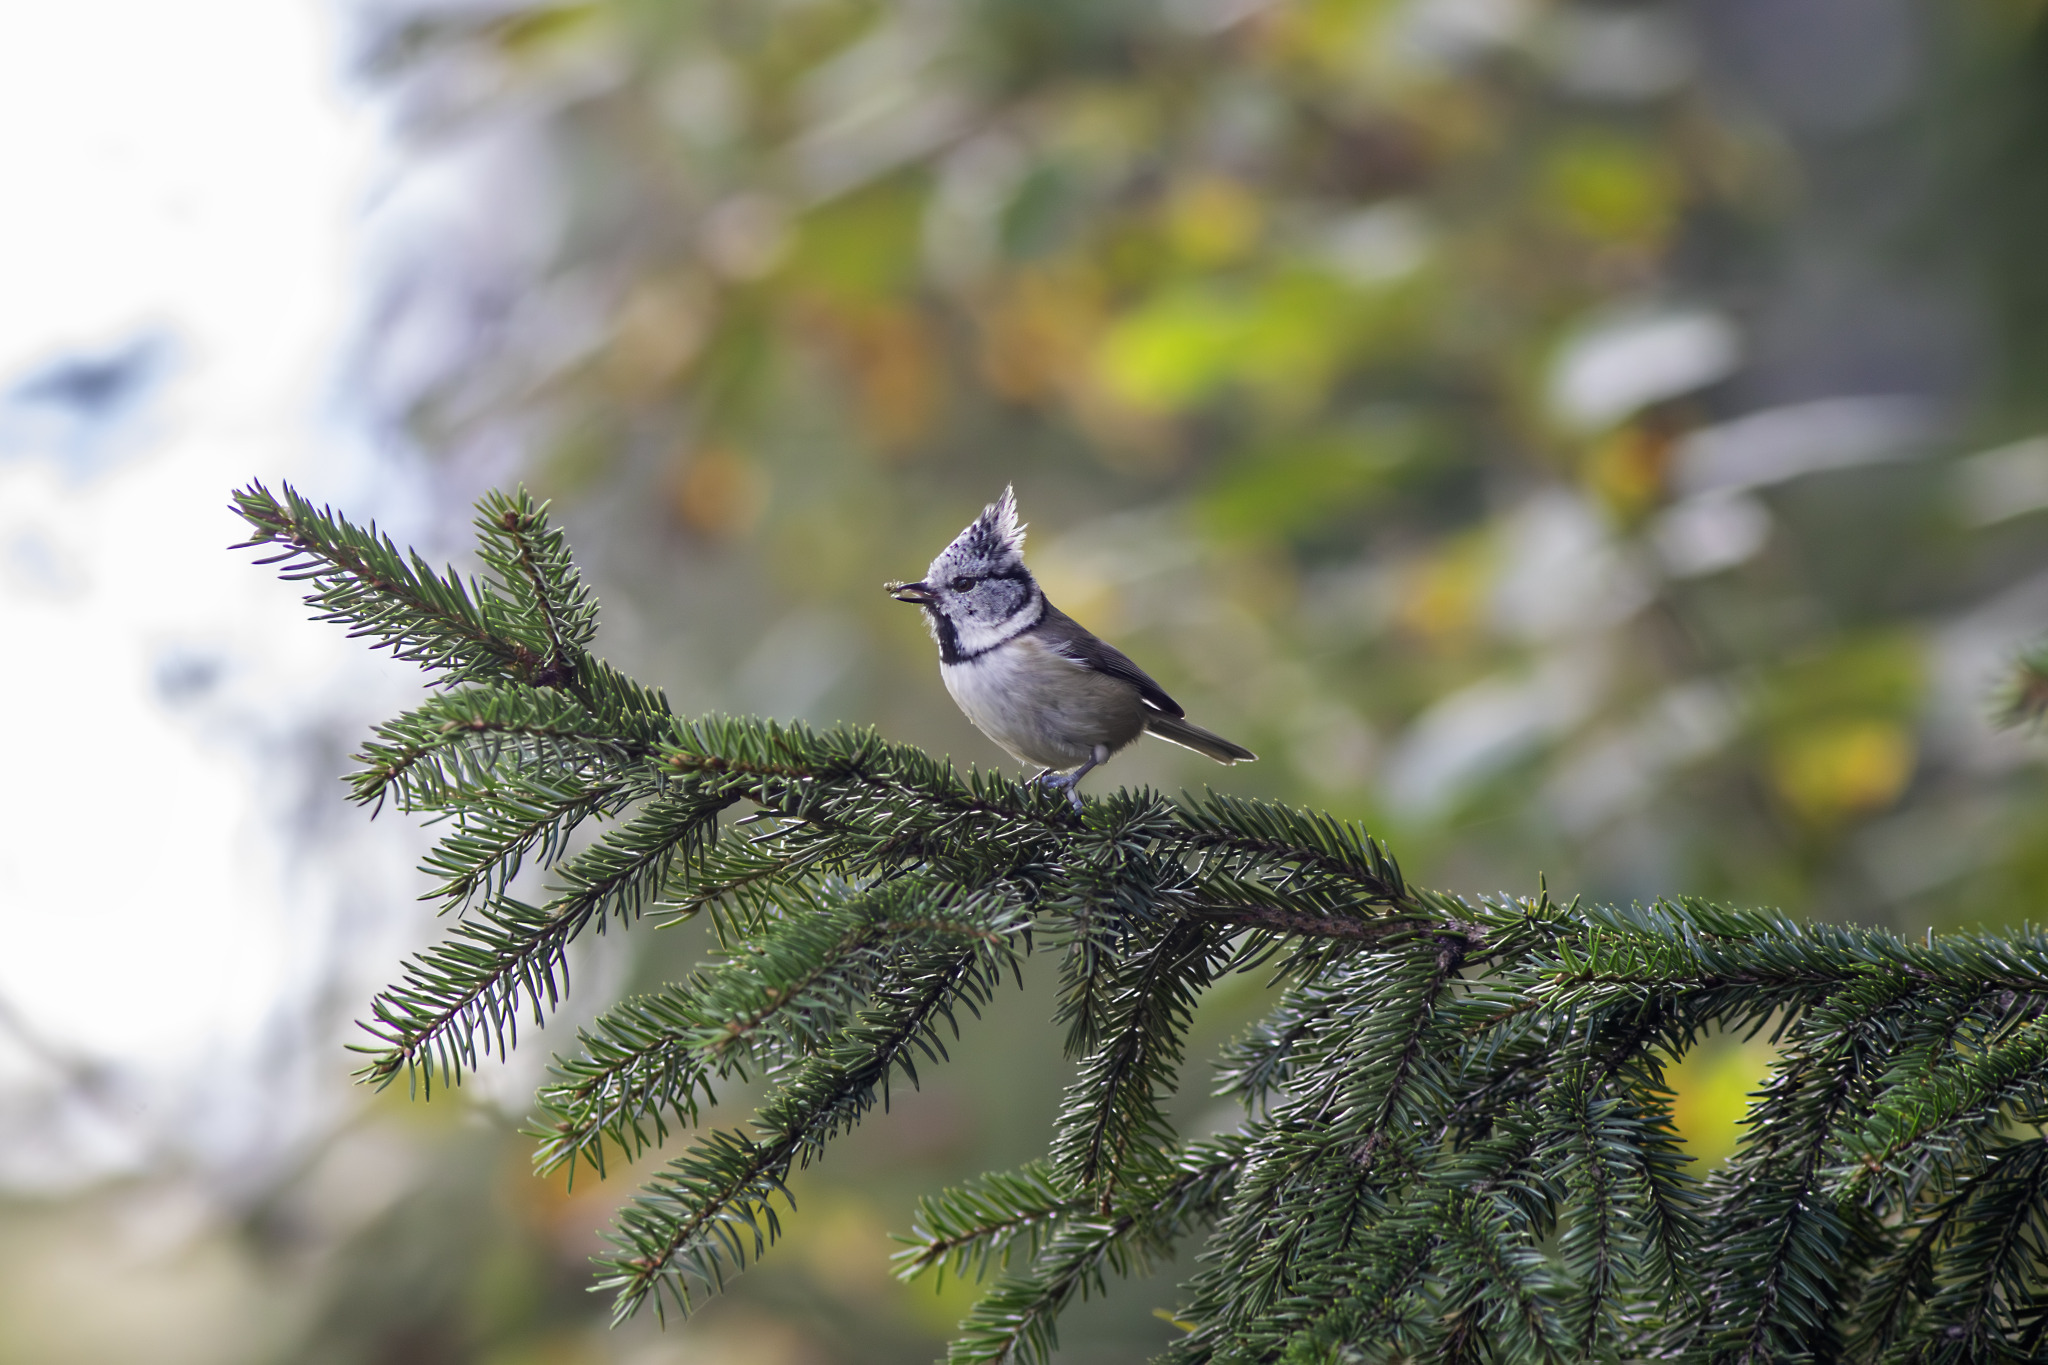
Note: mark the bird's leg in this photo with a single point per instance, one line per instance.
(1069, 780)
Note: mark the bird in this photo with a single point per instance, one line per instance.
(1031, 677)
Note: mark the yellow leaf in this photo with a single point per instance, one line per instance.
(1841, 769)
(1173, 352)
(1712, 1084)
(1610, 188)
(1444, 596)
(1212, 219)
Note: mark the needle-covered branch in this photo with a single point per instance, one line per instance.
(466, 994)
(467, 629)
(1076, 1252)
(696, 1221)
(432, 758)
(2024, 700)
(1455, 1141)
(787, 995)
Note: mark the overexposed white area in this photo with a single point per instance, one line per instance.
(2011, 481)
(1375, 245)
(1617, 54)
(179, 885)
(1573, 576)
(1628, 358)
(1778, 444)
(1711, 532)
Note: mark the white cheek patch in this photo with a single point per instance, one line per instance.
(977, 634)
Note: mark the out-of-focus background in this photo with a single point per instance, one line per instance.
(1595, 439)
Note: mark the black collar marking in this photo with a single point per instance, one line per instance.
(949, 639)
(949, 642)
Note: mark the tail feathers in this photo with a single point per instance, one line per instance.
(1176, 731)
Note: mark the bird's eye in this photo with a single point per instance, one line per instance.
(963, 583)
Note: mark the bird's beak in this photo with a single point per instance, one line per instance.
(919, 593)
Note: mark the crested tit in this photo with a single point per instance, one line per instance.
(1028, 675)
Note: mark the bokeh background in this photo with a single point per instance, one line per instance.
(1596, 440)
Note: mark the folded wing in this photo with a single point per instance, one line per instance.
(1073, 641)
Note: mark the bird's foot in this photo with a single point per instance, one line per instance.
(1065, 782)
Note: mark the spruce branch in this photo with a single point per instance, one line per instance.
(1457, 1138)
(1017, 1320)
(1993, 1303)
(1377, 1275)
(1593, 1163)
(1782, 1260)
(1379, 1311)
(744, 881)
(2023, 700)
(531, 568)
(513, 814)
(1500, 1289)
(963, 1230)
(1112, 1123)
(432, 758)
(1947, 1109)
(697, 1219)
(785, 997)
(1901, 1282)
(465, 994)
(1264, 1060)
(464, 629)
(1319, 1169)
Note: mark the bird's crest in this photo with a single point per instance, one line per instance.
(993, 538)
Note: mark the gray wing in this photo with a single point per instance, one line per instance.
(1072, 640)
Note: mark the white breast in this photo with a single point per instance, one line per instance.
(992, 690)
(1041, 707)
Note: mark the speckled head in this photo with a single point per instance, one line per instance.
(978, 593)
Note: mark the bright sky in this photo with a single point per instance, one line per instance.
(181, 185)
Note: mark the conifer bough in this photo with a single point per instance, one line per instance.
(1456, 1141)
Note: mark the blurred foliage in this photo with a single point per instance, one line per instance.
(1543, 430)
(1547, 431)
(1375, 368)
